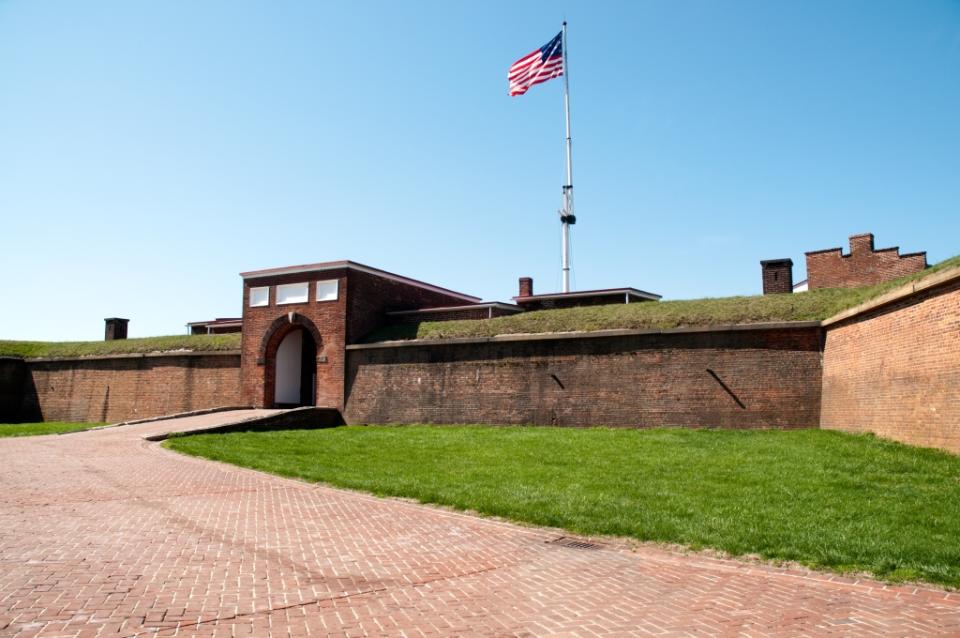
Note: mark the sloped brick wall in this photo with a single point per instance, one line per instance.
(745, 378)
(113, 389)
(895, 370)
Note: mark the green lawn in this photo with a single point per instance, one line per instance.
(197, 343)
(814, 305)
(825, 499)
(33, 429)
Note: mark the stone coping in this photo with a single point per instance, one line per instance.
(592, 334)
(138, 355)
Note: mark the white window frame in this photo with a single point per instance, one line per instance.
(266, 297)
(284, 288)
(329, 286)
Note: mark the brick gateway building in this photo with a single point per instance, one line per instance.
(298, 320)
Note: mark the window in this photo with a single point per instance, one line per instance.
(292, 293)
(259, 296)
(327, 290)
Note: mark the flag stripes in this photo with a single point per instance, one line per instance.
(536, 67)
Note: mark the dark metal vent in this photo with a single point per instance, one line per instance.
(574, 543)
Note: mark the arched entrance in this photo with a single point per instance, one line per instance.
(296, 370)
(288, 353)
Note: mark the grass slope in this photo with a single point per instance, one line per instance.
(825, 499)
(807, 306)
(197, 343)
(34, 429)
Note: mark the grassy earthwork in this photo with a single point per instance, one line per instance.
(808, 306)
(65, 349)
(35, 429)
(814, 305)
(824, 499)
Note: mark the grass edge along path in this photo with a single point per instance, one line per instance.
(39, 429)
(827, 500)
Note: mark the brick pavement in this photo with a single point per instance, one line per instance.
(103, 533)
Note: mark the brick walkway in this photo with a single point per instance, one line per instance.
(103, 533)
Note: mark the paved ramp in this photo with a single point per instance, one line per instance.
(104, 533)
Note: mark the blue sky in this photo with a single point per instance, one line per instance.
(149, 152)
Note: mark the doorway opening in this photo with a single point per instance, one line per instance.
(296, 370)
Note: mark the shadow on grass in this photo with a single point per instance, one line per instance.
(309, 418)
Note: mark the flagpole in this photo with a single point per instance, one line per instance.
(566, 215)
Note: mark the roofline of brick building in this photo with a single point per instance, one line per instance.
(352, 265)
(825, 250)
(217, 322)
(634, 292)
(875, 250)
(489, 304)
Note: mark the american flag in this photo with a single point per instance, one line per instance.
(543, 64)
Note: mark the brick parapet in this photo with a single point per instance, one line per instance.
(864, 266)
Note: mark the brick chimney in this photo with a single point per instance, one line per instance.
(777, 276)
(526, 287)
(116, 328)
(862, 243)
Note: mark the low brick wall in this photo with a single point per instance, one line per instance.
(736, 377)
(893, 366)
(126, 387)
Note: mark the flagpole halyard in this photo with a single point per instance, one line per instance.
(567, 218)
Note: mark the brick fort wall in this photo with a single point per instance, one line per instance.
(895, 370)
(746, 378)
(113, 389)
